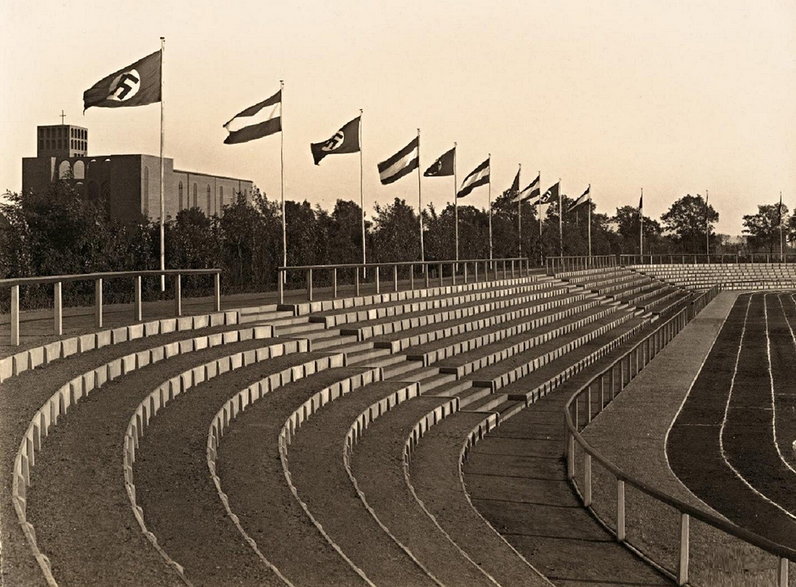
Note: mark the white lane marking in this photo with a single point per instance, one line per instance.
(773, 398)
(724, 421)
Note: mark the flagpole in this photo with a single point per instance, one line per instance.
(539, 213)
(560, 220)
(707, 226)
(781, 242)
(282, 175)
(519, 215)
(162, 199)
(455, 205)
(589, 220)
(420, 200)
(489, 183)
(362, 195)
(641, 225)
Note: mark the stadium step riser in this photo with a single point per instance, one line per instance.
(387, 297)
(81, 386)
(183, 383)
(521, 347)
(474, 325)
(61, 349)
(366, 332)
(518, 372)
(377, 313)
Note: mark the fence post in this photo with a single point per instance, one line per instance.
(309, 285)
(425, 270)
(15, 315)
(588, 404)
(138, 313)
(216, 291)
(178, 295)
(58, 309)
(620, 510)
(465, 272)
(356, 282)
(334, 282)
(378, 279)
(512, 268)
(782, 573)
(281, 275)
(454, 269)
(395, 277)
(587, 480)
(571, 456)
(441, 283)
(475, 266)
(412, 277)
(98, 302)
(682, 570)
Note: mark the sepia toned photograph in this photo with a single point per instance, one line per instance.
(535, 325)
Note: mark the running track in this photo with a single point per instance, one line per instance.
(731, 442)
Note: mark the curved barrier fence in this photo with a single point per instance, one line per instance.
(58, 280)
(415, 273)
(596, 395)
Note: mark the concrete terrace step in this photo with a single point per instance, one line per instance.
(488, 403)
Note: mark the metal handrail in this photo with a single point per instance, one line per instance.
(564, 263)
(704, 259)
(628, 366)
(15, 283)
(510, 267)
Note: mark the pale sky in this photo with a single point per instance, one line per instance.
(674, 96)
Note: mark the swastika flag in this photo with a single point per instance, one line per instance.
(135, 85)
(345, 140)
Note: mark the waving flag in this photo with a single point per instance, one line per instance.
(515, 187)
(257, 121)
(345, 140)
(403, 162)
(532, 191)
(477, 177)
(135, 85)
(584, 197)
(551, 194)
(443, 165)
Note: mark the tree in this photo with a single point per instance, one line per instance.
(396, 236)
(687, 219)
(763, 228)
(627, 228)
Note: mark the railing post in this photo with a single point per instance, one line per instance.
(620, 510)
(138, 313)
(216, 291)
(395, 277)
(454, 268)
(356, 282)
(378, 279)
(782, 572)
(309, 285)
(571, 456)
(98, 302)
(412, 277)
(334, 282)
(587, 480)
(682, 569)
(475, 266)
(588, 404)
(58, 309)
(281, 275)
(602, 392)
(178, 294)
(15, 315)
(512, 268)
(465, 272)
(425, 270)
(441, 283)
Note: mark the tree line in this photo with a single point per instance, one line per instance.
(58, 232)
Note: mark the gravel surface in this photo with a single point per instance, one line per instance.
(434, 473)
(78, 502)
(377, 466)
(316, 464)
(20, 397)
(174, 488)
(251, 475)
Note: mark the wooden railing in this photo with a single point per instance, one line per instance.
(57, 282)
(603, 388)
(417, 273)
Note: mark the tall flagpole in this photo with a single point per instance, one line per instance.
(641, 225)
(282, 174)
(420, 200)
(519, 213)
(560, 220)
(362, 193)
(489, 183)
(707, 225)
(162, 199)
(539, 213)
(781, 240)
(455, 204)
(589, 220)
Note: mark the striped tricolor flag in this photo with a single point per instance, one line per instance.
(477, 177)
(582, 199)
(532, 191)
(402, 163)
(255, 122)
